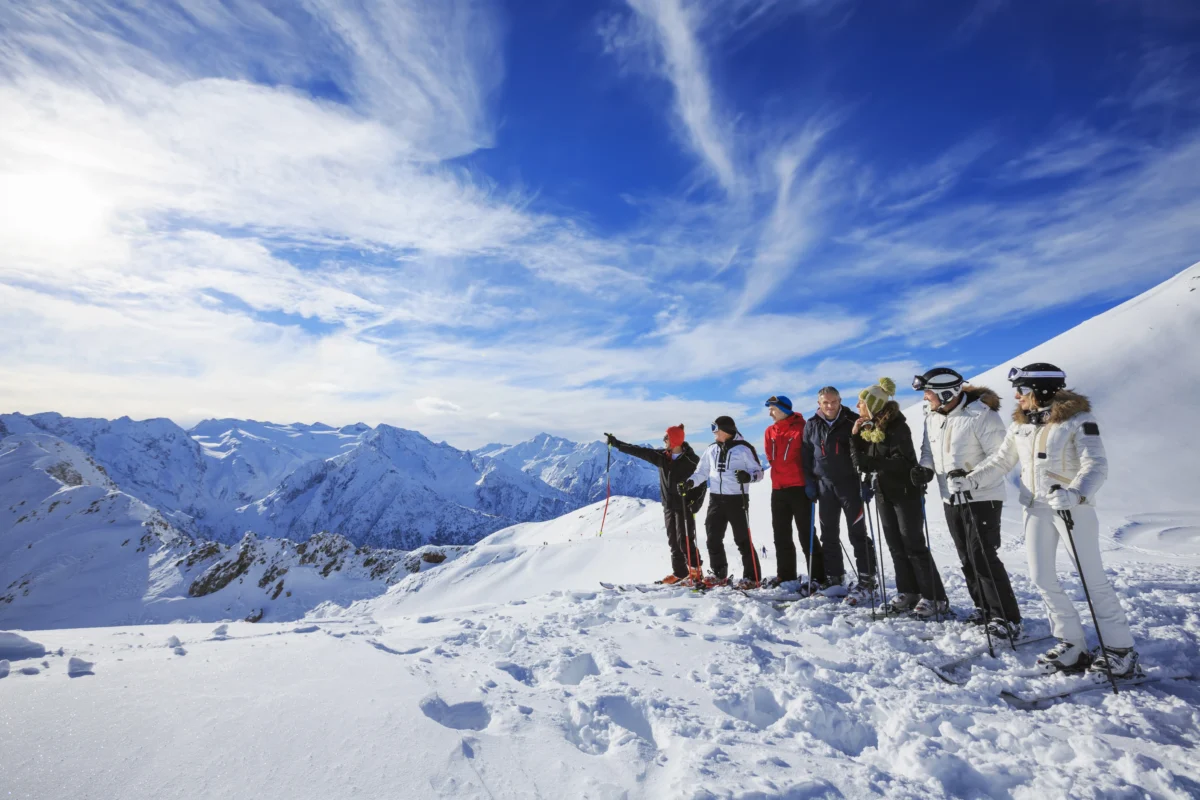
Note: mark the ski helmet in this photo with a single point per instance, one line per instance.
(942, 381)
(1043, 379)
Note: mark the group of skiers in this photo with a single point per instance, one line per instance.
(836, 462)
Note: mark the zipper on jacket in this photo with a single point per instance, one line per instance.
(787, 449)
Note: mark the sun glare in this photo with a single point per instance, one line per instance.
(55, 209)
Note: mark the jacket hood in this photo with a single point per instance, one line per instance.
(983, 395)
(1063, 406)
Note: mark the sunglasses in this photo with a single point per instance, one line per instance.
(1024, 390)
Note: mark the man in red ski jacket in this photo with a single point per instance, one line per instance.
(781, 444)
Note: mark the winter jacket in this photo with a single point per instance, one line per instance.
(1066, 451)
(890, 461)
(671, 472)
(964, 439)
(721, 460)
(782, 445)
(825, 451)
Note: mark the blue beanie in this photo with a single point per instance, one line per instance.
(781, 402)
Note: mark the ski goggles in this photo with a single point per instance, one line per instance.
(1017, 374)
(921, 383)
(1024, 390)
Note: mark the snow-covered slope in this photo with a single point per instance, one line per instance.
(399, 489)
(75, 550)
(510, 673)
(1139, 364)
(578, 469)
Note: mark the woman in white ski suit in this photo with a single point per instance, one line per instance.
(1065, 457)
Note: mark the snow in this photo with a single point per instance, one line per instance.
(509, 671)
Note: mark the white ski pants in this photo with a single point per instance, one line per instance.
(1043, 531)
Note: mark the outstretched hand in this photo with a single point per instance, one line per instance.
(612, 440)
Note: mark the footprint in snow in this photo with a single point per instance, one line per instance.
(573, 670)
(469, 716)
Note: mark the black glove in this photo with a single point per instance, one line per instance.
(810, 489)
(742, 476)
(612, 440)
(920, 475)
(688, 485)
(867, 492)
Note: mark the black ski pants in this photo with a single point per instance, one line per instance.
(730, 510)
(681, 536)
(787, 506)
(987, 579)
(835, 500)
(903, 523)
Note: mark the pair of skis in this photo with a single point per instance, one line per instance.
(957, 672)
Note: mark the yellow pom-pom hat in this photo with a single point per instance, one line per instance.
(877, 396)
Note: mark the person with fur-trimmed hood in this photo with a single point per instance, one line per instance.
(962, 430)
(1056, 440)
(883, 451)
(727, 465)
(676, 463)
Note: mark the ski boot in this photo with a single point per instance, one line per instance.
(1123, 661)
(1003, 629)
(861, 593)
(904, 602)
(745, 584)
(832, 587)
(977, 617)
(1064, 657)
(671, 580)
(928, 609)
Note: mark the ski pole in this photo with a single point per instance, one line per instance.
(689, 538)
(960, 501)
(750, 536)
(932, 564)
(1069, 521)
(608, 493)
(991, 575)
(879, 547)
(812, 532)
(874, 549)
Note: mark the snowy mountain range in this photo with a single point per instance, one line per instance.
(383, 486)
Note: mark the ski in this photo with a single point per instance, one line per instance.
(646, 588)
(946, 670)
(1029, 701)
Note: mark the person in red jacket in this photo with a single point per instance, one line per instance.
(781, 444)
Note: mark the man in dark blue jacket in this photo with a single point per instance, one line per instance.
(831, 480)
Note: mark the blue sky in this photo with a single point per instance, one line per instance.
(483, 220)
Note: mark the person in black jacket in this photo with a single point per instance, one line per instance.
(675, 463)
(882, 449)
(831, 480)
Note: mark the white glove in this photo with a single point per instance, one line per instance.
(958, 484)
(1064, 499)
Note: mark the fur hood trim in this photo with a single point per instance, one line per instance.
(1065, 405)
(983, 395)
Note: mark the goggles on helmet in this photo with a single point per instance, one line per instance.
(1017, 374)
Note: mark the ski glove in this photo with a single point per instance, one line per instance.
(867, 492)
(612, 440)
(689, 484)
(810, 489)
(742, 476)
(1064, 499)
(961, 483)
(920, 475)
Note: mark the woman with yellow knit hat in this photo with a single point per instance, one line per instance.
(882, 449)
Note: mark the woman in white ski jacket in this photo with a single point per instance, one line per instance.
(962, 429)
(1056, 440)
(727, 465)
